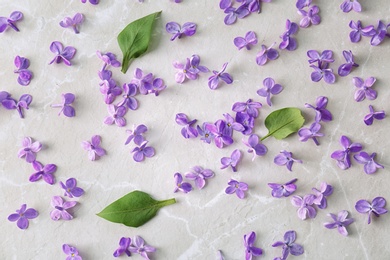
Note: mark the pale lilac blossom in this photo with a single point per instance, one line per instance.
(129, 91)
(370, 166)
(310, 16)
(180, 185)
(270, 88)
(188, 130)
(71, 189)
(95, 151)
(288, 245)
(220, 135)
(378, 115)
(231, 161)
(343, 157)
(24, 75)
(29, 149)
(283, 190)
(72, 252)
(215, 79)
(319, 73)
(250, 249)
(143, 81)
(322, 114)
(310, 133)
(184, 71)
(305, 206)
(349, 5)
(142, 151)
(116, 116)
(266, 54)
(136, 134)
(13, 18)
(285, 158)
(74, 23)
(188, 29)
(195, 66)
(231, 125)
(66, 108)
(43, 172)
(340, 222)
(255, 146)
(346, 68)
(22, 216)
(377, 207)
(62, 54)
(364, 88)
(248, 41)
(250, 107)
(236, 187)
(320, 195)
(199, 175)
(206, 135)
(288, 42)
(61, 208)
(139, 247)
(108, 59)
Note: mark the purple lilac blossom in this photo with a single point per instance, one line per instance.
(129, 91)
(139, 247)
(250, 249)
(22, 65)
(381, 33)
(303, 3)
(246, 121)
(285, 158)
(188, 131)
(221, 75)
(95, 151)
(305, 206)
(346, 68)
(377, 207)
(348, 5)
(231, 161)
(319, 73)
(66, 108)
(255, 5)
(232, 125)
(247, 41)
(220, 135)
(250, 107)
(71, 189)
(266, 54)
(288, 245)
(206, 135)
(320, 195)
(108, 86)
(142, 151)
(236, 187)
(234, 13)
(29, 149)
(322, 114)
(180, 185)
(283, 190)
(108, 59)
(340, 222)
(343, 156)
(158, 85)
(62, 54)
(188, 29)
(310, 133)
(310, 16)
(255, 146)
(370, 166)
(72, 252)
(184, 71)
(364, 88)
(60, 208)
(269, 88)
(199, 175)
(123, 248)
(44, 172)
(142, 81)
(136, 134)
(23, 103)
(357, 31)
(14, 17)
(94, 2)
(288, 42)
(116, 116)
(223, 4)
(195, 66)
(73, 23)
(22, 216)
(323, 60)
(379, 115)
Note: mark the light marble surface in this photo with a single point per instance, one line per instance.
(203, 221)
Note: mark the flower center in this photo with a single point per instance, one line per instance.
(59, 208)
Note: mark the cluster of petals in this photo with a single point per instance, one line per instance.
(10, 103)
(61, 208)
(349, 5)
(136, 245)
(376, 207)
(188, 29)
(10, 21)
(247, 41)
(95, 151)
(286, 158)
(219, 76)
(62, 54)
(283, 190)
(29, 149)
(246, 7)
(180, 184)
(255, 147)
(377, 35)
(24, 74)
(94, 2)
(71, 189)
(322, 70)
(343, 157)
(288, 42)
(347, 67)
(199, 176)
(141, 150)
(43, 172)
(270, 88)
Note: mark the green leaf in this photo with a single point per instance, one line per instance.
(134, 209)
(283, 122)
(135, 38)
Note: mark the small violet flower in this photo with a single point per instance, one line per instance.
(71, 189)
(250, 250)
(66, 108)
(379, 115)
(60, 208)
(381, 33)
(178, 31)
(346, 68)
(116, 116)
(142, 151)
(288, 42)
(266, 54)
(348, 5)
(247, 121)
(357, 31)
(255, 146)
(232, 125)
(221, 136)
(370, 166)
(283, 190)
(288, 245)
(124, 244)
(29, 149)
(45, 172)
(285, 158)
(143, 82)
(340, 222)
(139, 247)
(14, 17)
(72, 252)
(180, 185)
(195, 66)
(136, 134)
(310, 16)
(322, 114)
(319, 73)
(250, 107)
(158, 85)
(269, 88)
(221, 75)
(231, 161)
(73, 23)
(303, 3)
(247, 41)
(62, 54)
(95, 151)
(22, 65)
(320, 195)
(343, 156)
(23, 103)
(377, 207)
(237, 187)
(188, 131)
(108, 59)
(305, 206)
(22, 216)
(199, 175)
(323, 60)
(234, 13)
(206, 135)
(310, 133)
(184, 71)
(364, 88)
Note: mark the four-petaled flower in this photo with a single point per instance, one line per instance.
(22, 65)
(376, 207)
(249, 39)
(288, 42)
(71, 189)
(348, 5)
(310, 133)
(288, 245)
(124, 244)
(66, 108)
(94, 149)
(195, 66)
(72, 252)
(60, 208)
(188, 131)
(340, 222)
(250, 107)
(323, 60)
(29, 149)
(24, 102)
(206, 135)
(231, 161)
(358, 30)
(269, 88)
(320, 73)
(250, 249)
(136, 134)
(266, 54)
(139, 247)
(370, 166)
(325, 191)
(184, 71)
(322, 114)
(45, 172)
(221, 75)
(220, 135)
(142, 151)
(309, 17)
(116, 116)
(380, 34)
(199, 175)
(180, 185)
(178, 31)
(108, 59)
(62, 54)
(233, 14)
(364, 88)
(237, 187)
(285, 158)
(283, 190)
(305, 206)
(255, 146)
(343, 156)
(73, 23)
(14, 17)
(379, 115)
(22, 216)
(346, 68)
(143, 82)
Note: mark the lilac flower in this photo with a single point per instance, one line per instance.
(22, 216)
(136, 134)
(14, 17)
(62, 54)
(73, 23)
(320, 195)
(288, 246)
(94, 149)
(158, 85)
(285, 158)
(310, 133)
(232, 125)
(348, 5)
(377, 207)
(116, 116)
(370, 165)
(108, 87)
(357, 31)
(250, 39)
(188, 131)
(251, 250)
(71, 189)
(250, 107)
(221, 75)
(283, 190)
(22, 65)
(66, 108)
(206, 135)
(220, 135)
(184, 71)
(142, 151)
(343, 156)
(45, 172)
(72, 252)
(310, 16)
(233, 13)
(319, 73)
(322, 114)
(231, 161)
(199, 175)
(24, 102)
(180, 185)
(381, 33)
(323, 60)
(108, 59)
(305, 206)
(266, 54)
(269, 88)
(94, 2)
(29, 149)
(237, 187)
(124, 244)
(143, 82)
(254, 5)
(288, 42)
(195, 66)
(364, 88)
(255, 146)
(379, 115)
(139, 247)
(303, 3)
(246, 121)
(340, 222)
(174, 28)
(60, 208)
(346, 68)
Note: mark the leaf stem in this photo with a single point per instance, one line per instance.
(168, 202)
